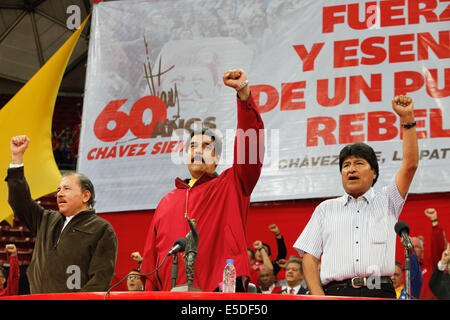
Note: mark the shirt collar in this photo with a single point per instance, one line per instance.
(296, 288)
(270, 289)
(82, 213)
(368, 197)
(184, 184)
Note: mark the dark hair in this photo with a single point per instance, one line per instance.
(134, 270)
(360, 150)
(142, 278)
(268, 248)
(85, 184)
(269, 270)
(297, 261)
(3, 272)
(205, 131)
(252, 253)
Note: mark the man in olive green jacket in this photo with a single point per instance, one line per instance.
(75, 250)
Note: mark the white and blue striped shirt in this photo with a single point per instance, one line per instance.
(355, 238)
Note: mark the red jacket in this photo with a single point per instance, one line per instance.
(219, 205)
(12, 288)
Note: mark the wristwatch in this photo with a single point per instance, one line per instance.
(409, 125)
(242, 85)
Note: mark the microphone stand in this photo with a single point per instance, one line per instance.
(407, 273)
(174, 270)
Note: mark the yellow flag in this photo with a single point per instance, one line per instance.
(30, 112)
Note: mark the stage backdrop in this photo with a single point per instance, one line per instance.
(323, 74)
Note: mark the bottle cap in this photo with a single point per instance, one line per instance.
(230, 261)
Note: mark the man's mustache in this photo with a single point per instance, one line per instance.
(197, 158)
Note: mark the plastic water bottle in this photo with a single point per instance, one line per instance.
(229, 277)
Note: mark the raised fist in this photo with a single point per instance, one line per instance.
(234, 78)
(282, 263)
(18, 146)
(274, 229)
(257, 244)
(136, 256)
(237, 80)
(11, 249)
(431, 213)
(404, 107)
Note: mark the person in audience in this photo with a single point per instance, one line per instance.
(397, 280)
(415, 276)
(429, 260)
(263, 253)
(134, 281)
(281, 277)
(440, 279)
(136, 256)
(251, 256)
(281, 250)
(262, 259)
(294, 279)
(266, 280)
(75, 250)
(12, 288)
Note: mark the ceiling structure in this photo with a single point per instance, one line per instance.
(31, 31)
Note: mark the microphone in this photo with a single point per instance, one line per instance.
(402, 230)
(174, 274)
(178, 246)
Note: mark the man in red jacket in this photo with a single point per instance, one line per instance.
(219, 203)
(12, 288)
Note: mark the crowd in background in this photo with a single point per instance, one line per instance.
(65, 146)
(252, 22)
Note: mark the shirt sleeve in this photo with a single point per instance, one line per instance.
(396, 201)
(13, 165)
(310, 240)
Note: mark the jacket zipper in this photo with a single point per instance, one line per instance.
(187, 200)
(187, 194)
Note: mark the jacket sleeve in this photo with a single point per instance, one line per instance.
(416, 276)
(24, 207)
(439, 285)
(437, 244)
(248, 145)
(103, 262)
(282, 252)
(13, 279)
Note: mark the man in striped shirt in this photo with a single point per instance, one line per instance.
(353, 235)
